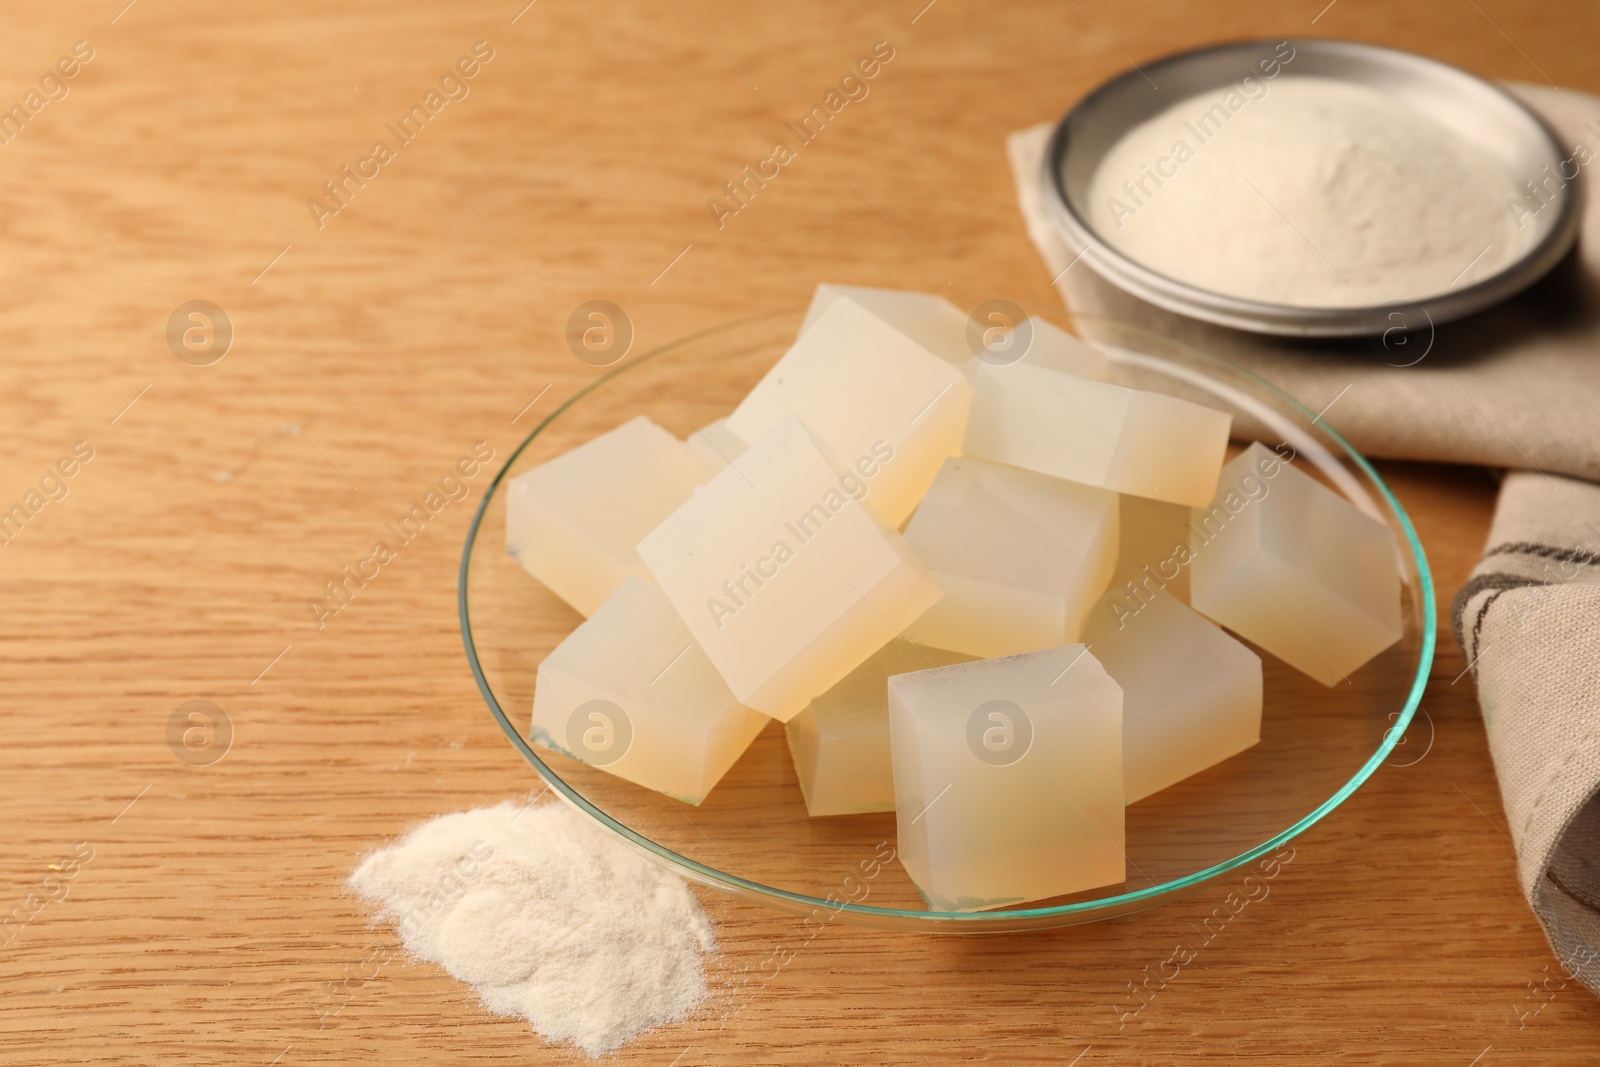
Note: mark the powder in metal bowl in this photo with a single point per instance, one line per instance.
(1309, 192)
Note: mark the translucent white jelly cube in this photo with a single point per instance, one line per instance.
(631, 691)
(1008, 778)
(1052, 348)
(1021, 557)
(885, 409)
(840, 742)
(573, 522)
(931, 321)
(1034, 414)
(1191, 695)
(1283, 560)
(782, 576)
(1152, 548)
(716, 443)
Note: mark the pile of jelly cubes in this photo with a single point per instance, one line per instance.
(988, 594)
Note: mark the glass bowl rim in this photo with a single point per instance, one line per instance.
(1114, 905)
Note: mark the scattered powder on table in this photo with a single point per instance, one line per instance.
(1309, 192)
(547, 917)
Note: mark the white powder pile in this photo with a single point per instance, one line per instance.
(1309, 192)
(547, 917)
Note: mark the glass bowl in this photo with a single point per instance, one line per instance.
(752, 837)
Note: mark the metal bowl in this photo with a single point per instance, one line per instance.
(1462, 103)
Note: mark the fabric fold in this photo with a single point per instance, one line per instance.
(1528, 622)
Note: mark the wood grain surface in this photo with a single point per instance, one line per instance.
(192, 912)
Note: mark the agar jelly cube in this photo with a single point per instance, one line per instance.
(630, 691)
(840, 742)
(573, 522)
(1152, 547)
(1052, 348)
(1021, 557)
(1191, 695)
(931, 321)
(1034, 413)
(1281, 559)
(1008, 778)
(716, 443)
(782, 576)
(885, 409)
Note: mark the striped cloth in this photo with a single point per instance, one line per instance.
(1529, 623)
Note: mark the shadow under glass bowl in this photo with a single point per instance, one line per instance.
(752, 837)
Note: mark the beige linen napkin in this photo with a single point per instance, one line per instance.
(1516, 386)
(1527, 622)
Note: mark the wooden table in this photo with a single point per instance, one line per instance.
(375, 344)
